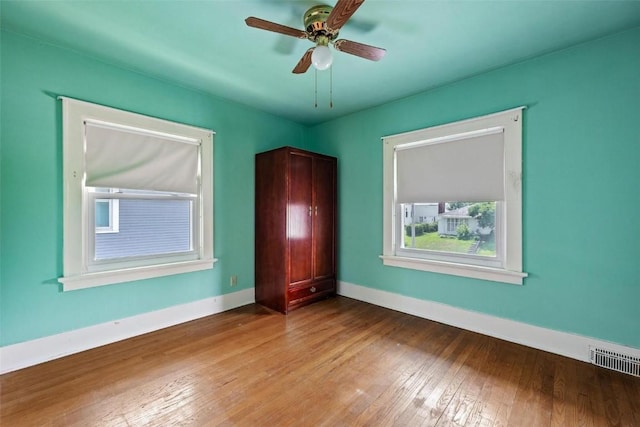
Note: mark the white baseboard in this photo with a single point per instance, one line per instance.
(29, 353)
(562, 343)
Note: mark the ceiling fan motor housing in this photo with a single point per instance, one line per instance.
(315, 23)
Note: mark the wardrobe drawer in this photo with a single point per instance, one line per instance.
(310, 291)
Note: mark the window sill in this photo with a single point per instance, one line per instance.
(464, 270)
(90, 280)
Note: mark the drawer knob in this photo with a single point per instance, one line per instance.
(313, 289)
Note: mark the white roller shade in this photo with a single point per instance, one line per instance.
(466, 167)
(120, 157)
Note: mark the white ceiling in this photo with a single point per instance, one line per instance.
(205, 45)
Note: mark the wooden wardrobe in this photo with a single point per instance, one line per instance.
(295, 220)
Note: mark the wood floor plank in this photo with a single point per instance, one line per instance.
(628, 391)
(420, 376)
(339, 362)
(564, 394)
(461, 410)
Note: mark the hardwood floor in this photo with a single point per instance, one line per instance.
(335, 363)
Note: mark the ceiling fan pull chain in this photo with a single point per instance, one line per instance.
(331, 87)
(316, 88)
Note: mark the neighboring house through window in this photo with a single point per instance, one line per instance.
(468, 174)
(138, 200)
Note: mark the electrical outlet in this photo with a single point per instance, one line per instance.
(233, 280)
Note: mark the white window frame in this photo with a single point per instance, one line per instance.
(510, 210)
(78, 270)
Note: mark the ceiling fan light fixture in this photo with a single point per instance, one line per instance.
(321, 58)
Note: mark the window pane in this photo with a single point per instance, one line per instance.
(102, 213)
(148, 227)
(455, 227)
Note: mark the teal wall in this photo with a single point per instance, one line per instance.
(31, 302)
(581, 188)
(581, 166)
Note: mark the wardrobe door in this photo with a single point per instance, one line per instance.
(324, 177)
(271, 229)
(299, 214)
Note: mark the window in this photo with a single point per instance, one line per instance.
(453, 224)
(107, 212)
(138, 199)
(459, 187)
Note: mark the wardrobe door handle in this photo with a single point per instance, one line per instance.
(312, 289)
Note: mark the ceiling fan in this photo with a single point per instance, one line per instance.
(321, 26)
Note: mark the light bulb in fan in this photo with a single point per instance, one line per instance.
(321, 57)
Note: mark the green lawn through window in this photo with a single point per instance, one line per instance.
(433, 242)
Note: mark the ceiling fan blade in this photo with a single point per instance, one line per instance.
(358, 49)
(341, 13)
(305, 62)
(276, 28)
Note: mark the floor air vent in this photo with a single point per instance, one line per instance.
(616, 361)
